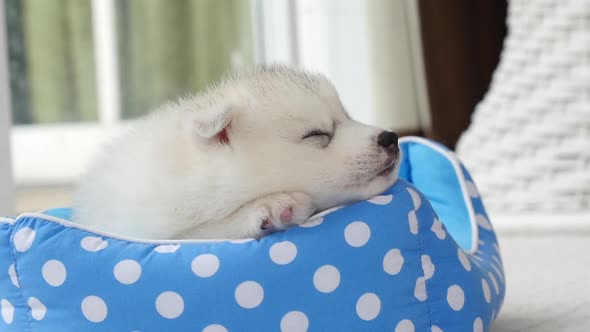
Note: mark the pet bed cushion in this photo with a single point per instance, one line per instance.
(387, 264)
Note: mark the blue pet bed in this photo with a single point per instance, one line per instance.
(387, 264)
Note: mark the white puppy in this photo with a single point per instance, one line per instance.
(259, 152)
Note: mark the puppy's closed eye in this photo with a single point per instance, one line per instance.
(323, 138)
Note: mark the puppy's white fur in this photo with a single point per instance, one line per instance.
(173, 176)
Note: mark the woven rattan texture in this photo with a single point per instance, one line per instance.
(528, 145)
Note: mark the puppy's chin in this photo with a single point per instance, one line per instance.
(355, 192)
(382, 180)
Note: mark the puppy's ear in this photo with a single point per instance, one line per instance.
(213, 123)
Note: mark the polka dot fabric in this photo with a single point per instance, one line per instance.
(386, 264)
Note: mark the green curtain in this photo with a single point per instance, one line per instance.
(19, 87)
(170, 48)
(167, 48)
(60, 60)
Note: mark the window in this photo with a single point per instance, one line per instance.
(51, 58)
(161, 49)
(79, 69)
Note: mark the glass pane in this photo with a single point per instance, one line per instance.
(51, 57)
(166, 49)
(170, 48)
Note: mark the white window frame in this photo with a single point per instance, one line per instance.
(6, 182)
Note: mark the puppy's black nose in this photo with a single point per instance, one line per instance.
(387, 139)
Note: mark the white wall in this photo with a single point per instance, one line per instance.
(371, 51)
(398, 89)
(274, 31)
(6, 183)
(332, 39)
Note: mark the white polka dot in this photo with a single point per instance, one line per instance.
(471, 189)
(167, 248)
(205, 265)
(7, 311)
(420, 289)
(12, 275)
(94, 309)
(381, 199)
(127, 271)
(283, 253)
(54, 272)
(486, 290)
(435, 328)
(93, 243)
(215, 328)
(405, 325)
(169, 305)
(23, 239)
(294, 321)
(368, 306)
(494, 283)
(357, 234)
(393, 262)
(38, 309)
(456, 297)
(415, 198)
(464, 259)
(438, 230)
(316, 221)
(483, 222)
(326, 279)
(478, 325)
(249, 294)
(413, 221)
(427, 267)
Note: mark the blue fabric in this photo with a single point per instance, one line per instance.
(433, 173)
(62, 213)
(375, 265)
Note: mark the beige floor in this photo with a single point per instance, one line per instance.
(548, 283)
(31, 199)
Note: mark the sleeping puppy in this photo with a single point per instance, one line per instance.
(259, 152)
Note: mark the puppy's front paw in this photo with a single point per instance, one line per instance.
(282, 210)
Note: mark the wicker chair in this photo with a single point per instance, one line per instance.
(528, 145)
